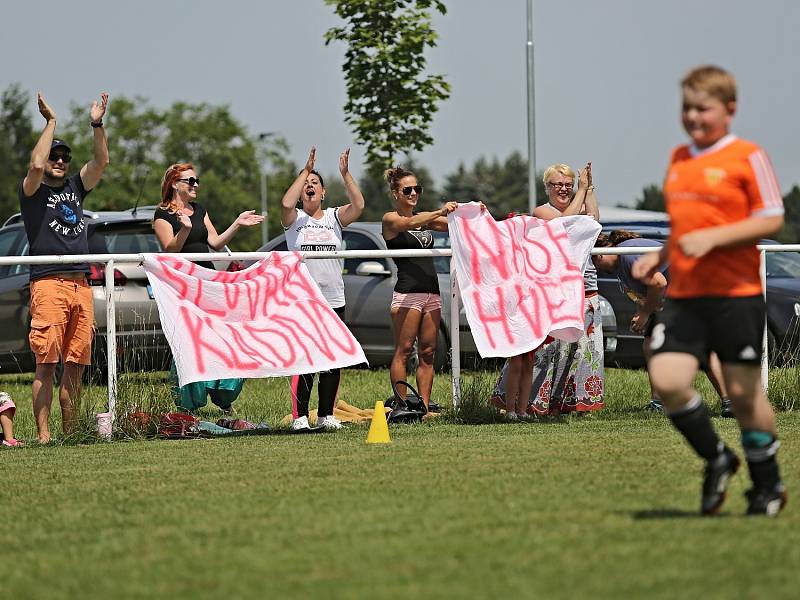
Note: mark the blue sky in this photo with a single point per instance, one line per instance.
(606, 73)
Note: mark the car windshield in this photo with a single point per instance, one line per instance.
(132, 241)
(783, 264)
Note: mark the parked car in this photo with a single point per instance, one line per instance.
(783, 302)
(141, 344)
(368, 285)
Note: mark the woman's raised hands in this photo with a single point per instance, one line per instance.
(311, 158)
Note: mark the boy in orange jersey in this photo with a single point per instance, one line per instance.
(722, 198)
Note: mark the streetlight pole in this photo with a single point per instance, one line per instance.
(265, 222)
(264, 212)
(531, 115)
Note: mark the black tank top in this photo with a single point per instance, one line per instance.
(197, 241)
(414, 275)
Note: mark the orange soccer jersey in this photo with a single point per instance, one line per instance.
(725, 183)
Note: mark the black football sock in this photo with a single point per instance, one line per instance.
(328, 388)
(761, 449)
(694, 423)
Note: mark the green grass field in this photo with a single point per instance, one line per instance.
(602, 506)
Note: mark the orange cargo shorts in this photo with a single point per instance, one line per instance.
(62, 320)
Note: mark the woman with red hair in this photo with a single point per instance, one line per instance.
(183, 225)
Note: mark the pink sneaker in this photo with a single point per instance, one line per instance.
(12, 443)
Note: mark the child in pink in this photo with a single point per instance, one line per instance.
(7, 410)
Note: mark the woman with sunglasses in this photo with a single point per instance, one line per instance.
(182, 225)
(416, 304)
(313, 227)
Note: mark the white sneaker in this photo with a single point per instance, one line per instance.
(511, 416)
(300, 424)
(329, 423)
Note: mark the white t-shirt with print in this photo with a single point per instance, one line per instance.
(325, 234)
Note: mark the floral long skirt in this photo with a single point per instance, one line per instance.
(567, 377)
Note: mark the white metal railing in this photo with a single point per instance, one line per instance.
(110, 260)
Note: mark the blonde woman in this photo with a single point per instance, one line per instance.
(568, 377)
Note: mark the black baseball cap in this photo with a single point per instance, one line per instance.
(60, 144)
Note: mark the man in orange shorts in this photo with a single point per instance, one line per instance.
(62, 315)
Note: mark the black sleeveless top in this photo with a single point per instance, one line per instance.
(414, 275)
(198, 236)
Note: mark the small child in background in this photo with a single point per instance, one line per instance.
(7, 410)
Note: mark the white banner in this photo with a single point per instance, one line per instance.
(521, 279)
(265, 321)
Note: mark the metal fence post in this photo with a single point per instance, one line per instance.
(762, 271)
(111, 340)
(455, 334)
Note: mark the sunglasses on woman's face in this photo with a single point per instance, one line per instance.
(409, 188)
(191, 181)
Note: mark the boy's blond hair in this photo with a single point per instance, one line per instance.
(565, 170)
(714, 81)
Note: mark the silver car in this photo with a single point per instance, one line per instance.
(141, 345)
(368, 285)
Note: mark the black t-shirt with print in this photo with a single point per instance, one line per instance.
(414, 275)
(197, 241)
(54, 223)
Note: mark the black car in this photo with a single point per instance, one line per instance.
(783, 302)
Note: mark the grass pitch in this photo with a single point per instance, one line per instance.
(602, 506)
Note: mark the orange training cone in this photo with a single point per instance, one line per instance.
(378, 429)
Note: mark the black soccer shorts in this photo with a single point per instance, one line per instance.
(731, 327)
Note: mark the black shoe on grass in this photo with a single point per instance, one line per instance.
(727, 409)
(654, 406)
(767, 502)
(715, 481)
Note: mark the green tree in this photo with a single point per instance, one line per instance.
(502, 186)
(134, 131)
(144, 141)
(790, 234)
(17, 139)
(652, 199)
(390, 102)
(378, 199)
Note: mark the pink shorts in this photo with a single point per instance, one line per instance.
(7, 404)
(421, 302)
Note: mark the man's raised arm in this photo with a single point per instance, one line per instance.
(92, 171)
(41, 151)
